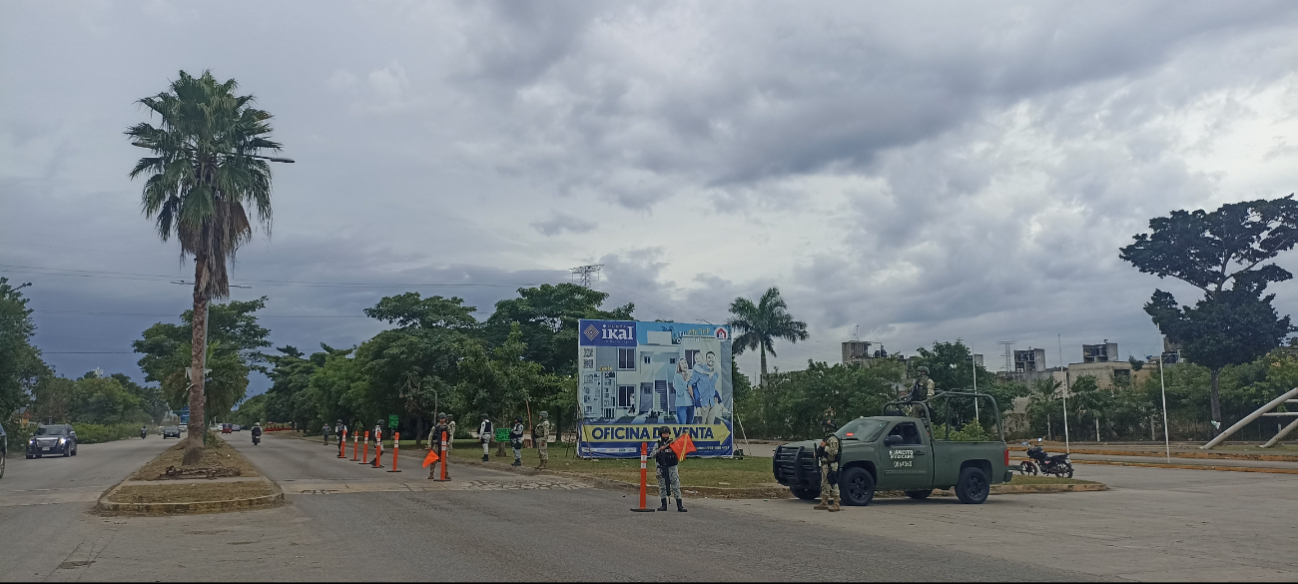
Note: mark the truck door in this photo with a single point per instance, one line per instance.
(909, 462)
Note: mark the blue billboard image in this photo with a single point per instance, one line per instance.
(636, 376)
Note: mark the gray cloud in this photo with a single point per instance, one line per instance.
(560, 222)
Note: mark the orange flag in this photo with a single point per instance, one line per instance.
(683, 445)
(431, 458)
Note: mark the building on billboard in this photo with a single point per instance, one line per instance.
(636, 376)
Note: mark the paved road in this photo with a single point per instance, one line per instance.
(346, 521)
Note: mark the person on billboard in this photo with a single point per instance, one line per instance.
(683, 392)
(705, 388)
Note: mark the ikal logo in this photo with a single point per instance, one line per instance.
(591, 332)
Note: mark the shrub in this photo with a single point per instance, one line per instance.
(97, 433)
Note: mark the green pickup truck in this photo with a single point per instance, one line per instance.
(898, 452)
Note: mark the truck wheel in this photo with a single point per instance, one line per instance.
(973, 487)
(921, 494)
(856, 487)
(805, 494)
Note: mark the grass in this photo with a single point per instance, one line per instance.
(191, 493)
(219, 454)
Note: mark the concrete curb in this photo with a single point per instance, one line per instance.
(1192, 466)
(106, 507)
(1163, 454)
(767, 492)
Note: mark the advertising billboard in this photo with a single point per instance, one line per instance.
(637, 376)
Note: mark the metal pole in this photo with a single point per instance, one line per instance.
(1280, 436)
(974, 363)
(1167, 442)
(1067, 384)
(1249, 418)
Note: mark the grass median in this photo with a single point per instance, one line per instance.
(150, 485)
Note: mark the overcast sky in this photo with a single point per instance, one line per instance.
(922, 171)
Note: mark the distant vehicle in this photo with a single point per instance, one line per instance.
(226, 429)
(184, 427)
(170, 431)
(237, 428)
(53, 439)
(4, 450)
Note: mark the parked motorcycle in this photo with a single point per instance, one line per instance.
(1045, 464)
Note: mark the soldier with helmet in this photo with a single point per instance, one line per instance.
(435, 443)
(516, 440)
(541, 436)
(665, 467)
(484, 435)
(921, 390)
(827, 456)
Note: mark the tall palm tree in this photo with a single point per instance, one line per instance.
(758, 325)
(204, 169)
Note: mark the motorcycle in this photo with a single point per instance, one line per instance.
(1040, 462)
(256, 439)
(143, 433)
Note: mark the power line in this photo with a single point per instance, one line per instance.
(114, 275)
(584, 274)
(87, 352)
(159, 315)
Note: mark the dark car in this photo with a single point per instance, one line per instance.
(53, 439)
(4, 450)
(171, 431)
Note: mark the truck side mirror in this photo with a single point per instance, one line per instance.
(892, 440)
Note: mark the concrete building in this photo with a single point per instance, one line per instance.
(1101, 353)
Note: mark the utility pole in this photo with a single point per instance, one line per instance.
(1009, 355)
(1067, 384)
(584, 275)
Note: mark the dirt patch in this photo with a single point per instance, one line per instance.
(191, 493)
(218, 460)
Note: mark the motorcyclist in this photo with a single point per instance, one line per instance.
(256, 433)
(144, 431)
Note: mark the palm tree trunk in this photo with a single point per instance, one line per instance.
(1215, 399)
(762, 381)
(198, 363)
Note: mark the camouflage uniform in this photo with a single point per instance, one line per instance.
(828, 455)
(435, 444)
(541, 436)
(921, 390)
(665, 469)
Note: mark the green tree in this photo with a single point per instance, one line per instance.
(547, 316)
(951, 367)
(757, 326)
(251, 410)
(21, 367)
(204, 170)
(1209, 250)
(791, 404)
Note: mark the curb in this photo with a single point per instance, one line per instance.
(772, 492)
(1162, 454)
(1260, 469)
(106, 507)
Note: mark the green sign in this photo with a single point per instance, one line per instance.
(502, 434)
(392, 421)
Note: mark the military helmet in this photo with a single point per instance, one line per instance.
(828, 426)
(485, 416)
(545, 414)
(380, 422)
(923, 369)
(340, 420)
(441, 416)
(518, 419)
(664, 430)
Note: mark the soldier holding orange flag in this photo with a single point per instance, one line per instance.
(435, 444)
(665, 463)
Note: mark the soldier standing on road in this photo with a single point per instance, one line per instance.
(665, 462)
(325, 430)
(435, 444)
(377, 437)
(827, 456)
(516, 440)
(450, 433)
(484, 436)
(541, 436)
(339, 429)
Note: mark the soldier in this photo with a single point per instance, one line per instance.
(827, 456)
(450, 432)
(377, 437)
(435, 444)
(339, 428)
(325, 430)
(665, 461)
(484, 435)
(516, 440)
(921, 390)
(541, 436)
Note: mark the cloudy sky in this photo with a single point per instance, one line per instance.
(905, 172)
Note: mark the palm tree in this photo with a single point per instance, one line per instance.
(204, 169)
(758, 325)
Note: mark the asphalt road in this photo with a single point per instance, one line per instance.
(350, 522)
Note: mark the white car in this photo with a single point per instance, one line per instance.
(184, 427)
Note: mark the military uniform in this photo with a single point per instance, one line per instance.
(541, 437)
(435, 444)
(450, 434)
(516, 441)
(921, 390)
(484, 436)
(665, 469)
(827, 455)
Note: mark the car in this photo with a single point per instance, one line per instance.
(902, 452)
(170, 431)
(53, 439)
(4, 450)
(184, 427)
(226, 429)
(237, 428)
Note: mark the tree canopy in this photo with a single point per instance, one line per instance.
(758, 325)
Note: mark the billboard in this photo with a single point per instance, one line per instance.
(635, 376)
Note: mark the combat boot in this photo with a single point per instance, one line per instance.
(834, 506)
(484, 458)
(663, 507)
(680, 506)
(823, 505)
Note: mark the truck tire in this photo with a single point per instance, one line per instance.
(973, 486)
(805, 494)
(856, 487)
(920, 494)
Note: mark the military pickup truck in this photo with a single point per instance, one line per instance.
(898, 451)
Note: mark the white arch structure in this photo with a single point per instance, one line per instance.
(1265, 410)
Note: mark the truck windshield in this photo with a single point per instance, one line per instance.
(863, 430)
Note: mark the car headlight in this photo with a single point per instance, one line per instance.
(61, 440)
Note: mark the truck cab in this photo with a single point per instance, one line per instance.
(900, 452)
